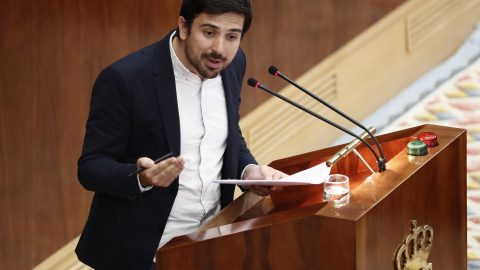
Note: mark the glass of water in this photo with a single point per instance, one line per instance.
(337, 189)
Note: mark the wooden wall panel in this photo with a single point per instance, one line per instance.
(385, 59)
(294, 36)
(51, 52)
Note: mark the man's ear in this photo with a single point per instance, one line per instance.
(183, 28)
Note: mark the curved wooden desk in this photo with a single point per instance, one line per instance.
(295, 229)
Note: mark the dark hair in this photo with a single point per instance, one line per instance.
(192, 8)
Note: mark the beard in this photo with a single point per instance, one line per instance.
(198, 62)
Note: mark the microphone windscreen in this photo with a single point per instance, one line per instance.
(273, 70)
(252, 82)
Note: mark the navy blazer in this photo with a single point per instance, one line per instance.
(133, 114)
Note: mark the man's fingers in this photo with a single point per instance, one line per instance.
(161, 174)
(276, 188)
(278, 175)
(172, 170)
(263, 172)
(260, 190)
(145, 162)
(181, 161)
(270, 173)
(163, 165)
(164, 173)
(266, 172)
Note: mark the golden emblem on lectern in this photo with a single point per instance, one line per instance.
(413, 253)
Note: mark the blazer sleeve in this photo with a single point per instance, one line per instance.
(100, 168)
(245, 157)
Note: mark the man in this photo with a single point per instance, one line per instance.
(180, 95)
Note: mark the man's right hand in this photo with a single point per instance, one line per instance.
(161, 174)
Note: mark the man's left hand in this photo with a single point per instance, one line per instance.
(263, 172)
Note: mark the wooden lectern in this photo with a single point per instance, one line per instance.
(295, 229)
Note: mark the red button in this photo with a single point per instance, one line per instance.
(429, 138)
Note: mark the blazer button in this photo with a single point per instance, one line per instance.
(132, 198)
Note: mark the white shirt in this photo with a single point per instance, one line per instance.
(204, 131)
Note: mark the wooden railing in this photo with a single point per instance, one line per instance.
(64, 258)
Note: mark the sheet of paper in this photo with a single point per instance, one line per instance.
(311, 176)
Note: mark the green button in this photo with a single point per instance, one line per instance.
(417, 148)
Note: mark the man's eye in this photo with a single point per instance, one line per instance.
(232, 37)
(209, 33)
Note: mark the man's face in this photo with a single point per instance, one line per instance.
(212, 42)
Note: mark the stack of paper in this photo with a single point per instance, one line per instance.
(311, 176)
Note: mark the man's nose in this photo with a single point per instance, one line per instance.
(218, 45)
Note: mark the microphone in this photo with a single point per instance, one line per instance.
(380, 162)
(254, 83)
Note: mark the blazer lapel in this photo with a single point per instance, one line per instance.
(166, 94)
(231, 99)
